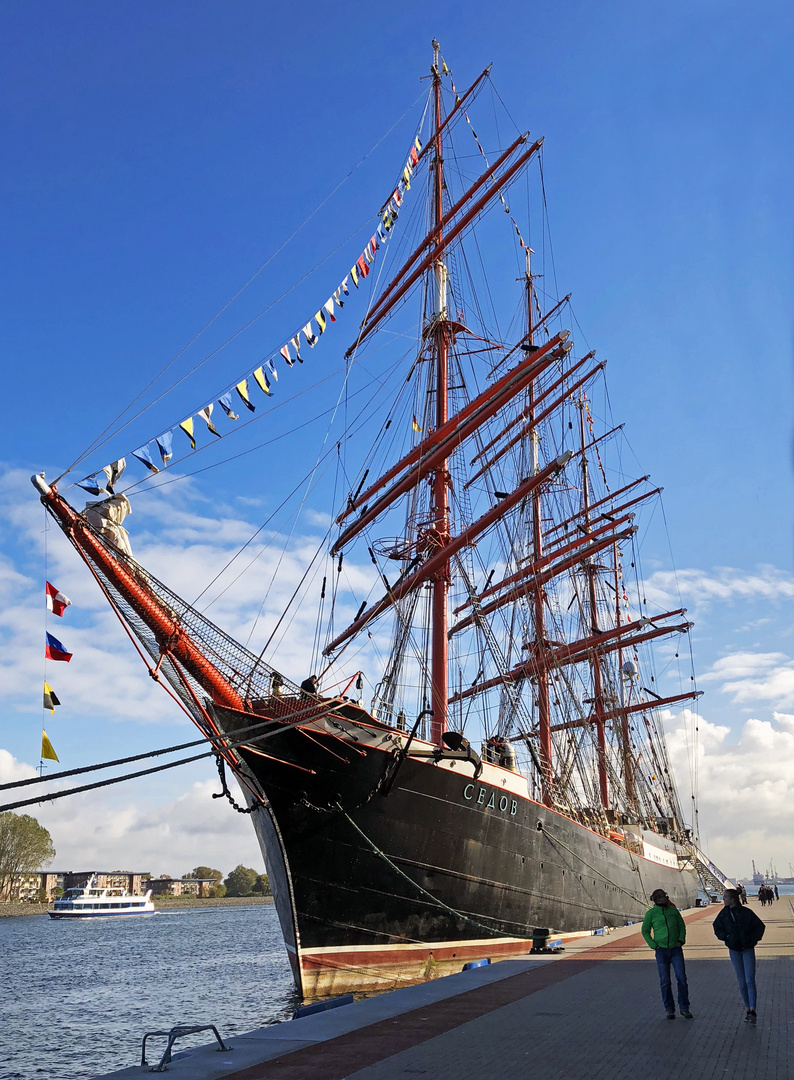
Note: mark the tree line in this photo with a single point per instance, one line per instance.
(242, 881)
(26, 846)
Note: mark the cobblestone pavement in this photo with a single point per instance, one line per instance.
(581, 1015)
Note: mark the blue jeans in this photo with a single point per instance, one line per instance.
(743, 961)
(664, 958)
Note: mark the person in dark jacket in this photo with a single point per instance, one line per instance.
(664, 931)
(741, 930)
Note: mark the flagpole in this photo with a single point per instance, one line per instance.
(46, 629)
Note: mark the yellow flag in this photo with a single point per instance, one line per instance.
(187, 427)
(50, 698)
(46, 747)
(262, 380)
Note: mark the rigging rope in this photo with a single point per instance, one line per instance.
(556, 840)
(212, 739)
(100, 440)
(433, 899)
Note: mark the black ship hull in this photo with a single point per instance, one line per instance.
(390, 869)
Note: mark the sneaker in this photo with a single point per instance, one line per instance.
(671, 1015)
(751, 1016)
(687, 1015)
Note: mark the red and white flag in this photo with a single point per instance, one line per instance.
(57, 603)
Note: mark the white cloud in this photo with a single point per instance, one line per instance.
(724, 584)
(117, 828)
(745, 787)
(750, 677)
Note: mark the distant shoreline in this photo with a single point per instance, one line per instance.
(161, 903)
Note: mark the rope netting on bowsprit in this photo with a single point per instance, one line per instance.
(249, 676)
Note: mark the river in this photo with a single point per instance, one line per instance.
(79, 996)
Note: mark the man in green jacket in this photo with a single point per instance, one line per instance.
(665, 931)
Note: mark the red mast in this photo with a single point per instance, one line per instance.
(598, 689)
(441, 581)
(542, 686)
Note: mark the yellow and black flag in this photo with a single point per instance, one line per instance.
(46, 748)
(50, 698)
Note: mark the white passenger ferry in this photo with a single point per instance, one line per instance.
(90, 902)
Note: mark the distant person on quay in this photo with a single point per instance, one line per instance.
(665, 932)
(741, 930)
(777, 894)
(743, 892)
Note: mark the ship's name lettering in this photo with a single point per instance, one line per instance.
(478, 794)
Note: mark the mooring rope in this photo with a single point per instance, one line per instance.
(433, 899)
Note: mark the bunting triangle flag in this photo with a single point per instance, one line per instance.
(242, 390)
(339, 303)
(344, 288)
(187, 427)
(50, 698)
(354, 275)
(206, 416)
(113, 473)
(284, 350)
(272, 367)
(144, 455)
(57, 603)
(92, 486)
(262, 380)
(320, 319)
(415, 424)
(329, 307)
(46, 747)
(54, 650)
(225, 402)
(309, 334)
(296, 344)
(164, 442)
(363, 269)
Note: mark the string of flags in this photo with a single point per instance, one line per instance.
(158, 452)
(57, 603)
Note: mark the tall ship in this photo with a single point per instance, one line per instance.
(473, 751)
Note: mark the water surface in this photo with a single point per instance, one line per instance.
(78, 996)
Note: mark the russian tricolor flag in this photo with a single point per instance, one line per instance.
(55, 651)
(57, 603)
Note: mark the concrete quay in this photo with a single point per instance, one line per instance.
(594, 1011)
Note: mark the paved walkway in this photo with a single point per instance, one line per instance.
(594, 1012)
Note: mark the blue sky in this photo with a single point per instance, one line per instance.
(161, 153)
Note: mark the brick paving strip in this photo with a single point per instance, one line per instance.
(337, 1058)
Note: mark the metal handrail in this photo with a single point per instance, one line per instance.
(175, 1033)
